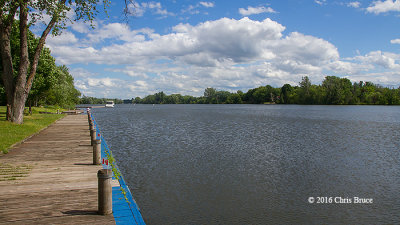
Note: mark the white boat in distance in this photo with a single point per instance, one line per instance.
(109, 104)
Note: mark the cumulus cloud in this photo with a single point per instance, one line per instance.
(65, 38)
(255, 10)
(227, 54)
(306, 49)
(383, 59)
(82, 27)
(117, 31)
(378, 7)
(106, 82)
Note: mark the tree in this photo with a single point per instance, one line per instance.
(234, 99)
(63, 92)
(137, 100)
(260, 95)
(210, 94)
(18, 88)
(337, 90)
(159, 97)
(285, 93)
(304, 91)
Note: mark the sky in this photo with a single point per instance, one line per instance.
(183, 47)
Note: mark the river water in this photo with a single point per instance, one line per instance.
(258, 164)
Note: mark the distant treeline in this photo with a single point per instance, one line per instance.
(333, 91)
(93, 100)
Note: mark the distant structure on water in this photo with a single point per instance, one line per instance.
(110, 104)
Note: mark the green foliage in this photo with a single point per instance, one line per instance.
(234, 99)
(63, 92)
(332, 91)
(337, 90)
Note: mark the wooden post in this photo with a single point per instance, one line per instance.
(97, 152)
(104, 191)
(91, 125)
(92, 136)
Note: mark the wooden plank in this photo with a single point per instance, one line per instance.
(59, 185)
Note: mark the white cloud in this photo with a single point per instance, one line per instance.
(383, 59)
(81, 85)
(82, 27)
(207, 4)
(154, 7)
(117, 31)
(378, 7)
(320, 2)
(102, 82)
(64, 38)
(81, 72)
(255, 10)
(395, 41)
(306, 49)
(348, 68)
(194, 9)
(354, 4)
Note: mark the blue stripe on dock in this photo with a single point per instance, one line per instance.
(124, 212)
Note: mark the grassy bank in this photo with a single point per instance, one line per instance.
(14, 133)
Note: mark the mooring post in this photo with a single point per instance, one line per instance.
(104, 191)
(97, 152)
(89, 114)
(92, 136)
(91, 125)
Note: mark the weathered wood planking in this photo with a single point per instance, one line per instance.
(51, 178)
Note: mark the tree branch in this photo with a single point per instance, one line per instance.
(40, 45)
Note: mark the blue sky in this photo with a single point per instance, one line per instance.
(181, 46)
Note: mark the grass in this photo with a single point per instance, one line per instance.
(13, 133)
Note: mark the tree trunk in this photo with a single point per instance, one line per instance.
(8, 71)
(20, 95)
(18, 110)
(6, 22)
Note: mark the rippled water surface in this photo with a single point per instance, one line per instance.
(257, 164)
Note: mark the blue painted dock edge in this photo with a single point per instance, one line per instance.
(124, 211)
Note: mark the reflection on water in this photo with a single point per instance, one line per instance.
(257, 164)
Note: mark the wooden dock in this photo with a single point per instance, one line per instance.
(50, 179)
